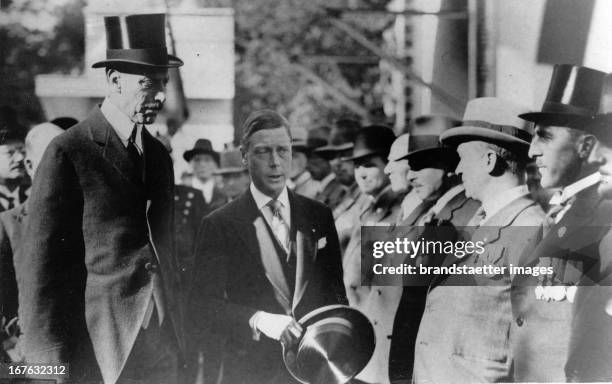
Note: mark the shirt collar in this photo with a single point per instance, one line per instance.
(571, 190)
(496, 203)
(326, 180)
(446, 197)
(121, 123)
(261, 199)
(206, 187)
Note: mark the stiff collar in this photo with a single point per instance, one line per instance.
(572, 190)
(495, 203)
(261, 199)
(121, 123)
(326, 180)
(446, 197)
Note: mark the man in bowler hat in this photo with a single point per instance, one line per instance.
(98, 282)
(575, 224)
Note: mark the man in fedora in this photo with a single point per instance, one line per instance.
(575, 224)
(99, 284)
(300, 179)
(591, 328)
(234, 175)
(443, 202)
(14, 181)
(369, 156)
(331, 191)
(269, 256)
(464, 335)
(204, 161)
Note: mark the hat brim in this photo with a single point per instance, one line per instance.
(569, 120)
(455, 136)
(188, 155)
(173, 62)
(363, 154)
(440, 151)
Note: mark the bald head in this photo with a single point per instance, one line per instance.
(37, 140)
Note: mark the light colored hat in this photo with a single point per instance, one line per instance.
(399, 148)
(491, 118)
(230, 162)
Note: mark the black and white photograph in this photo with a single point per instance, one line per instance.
(305, 192)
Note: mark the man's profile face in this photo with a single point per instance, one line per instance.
(472, 168)
(398, 174)
(203, 165)
(602, 157)
(142, 96)
(556, 156)
(268, 159)
(370, 175)
(12, 156)
(426, 182)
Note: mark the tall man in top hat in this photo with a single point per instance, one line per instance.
(576, 222)
(464, 335)
(270, 255)
(98, 285)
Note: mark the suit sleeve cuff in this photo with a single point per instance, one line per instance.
(253, 324)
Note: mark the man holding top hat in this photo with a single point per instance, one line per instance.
(464, 335)
(573, 228)
(98, 289)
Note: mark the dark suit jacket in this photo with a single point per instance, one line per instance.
(189, 210)
(11, 227)
(98, 233)
(231, 283)
(332, 194)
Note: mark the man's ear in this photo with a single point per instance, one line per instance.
(243, 153)
(585, 146)
(113, 78)
(491, 161)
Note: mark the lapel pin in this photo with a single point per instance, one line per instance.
(561, 231)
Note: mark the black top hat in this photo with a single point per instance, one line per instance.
(573, 97)
(137, 40)
(341, 137)
(202, 146)
(601, 126)
(372, 140)
(335, 344)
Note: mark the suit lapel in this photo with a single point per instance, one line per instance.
(113, 149)
(305, 237)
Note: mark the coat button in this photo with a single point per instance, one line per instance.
(519, 321)
(150, 267)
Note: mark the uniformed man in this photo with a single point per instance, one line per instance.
(13, 190)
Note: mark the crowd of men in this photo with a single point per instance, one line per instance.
(109, 267)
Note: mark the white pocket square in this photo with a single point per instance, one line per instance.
(321, 243)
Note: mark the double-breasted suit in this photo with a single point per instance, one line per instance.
(101, 234)
(242, 271)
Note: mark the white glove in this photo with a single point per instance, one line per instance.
(271, 325)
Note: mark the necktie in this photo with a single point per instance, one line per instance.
(279, 225)
(133, 152)
(554, 214)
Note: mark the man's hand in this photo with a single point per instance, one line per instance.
(272, 325)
